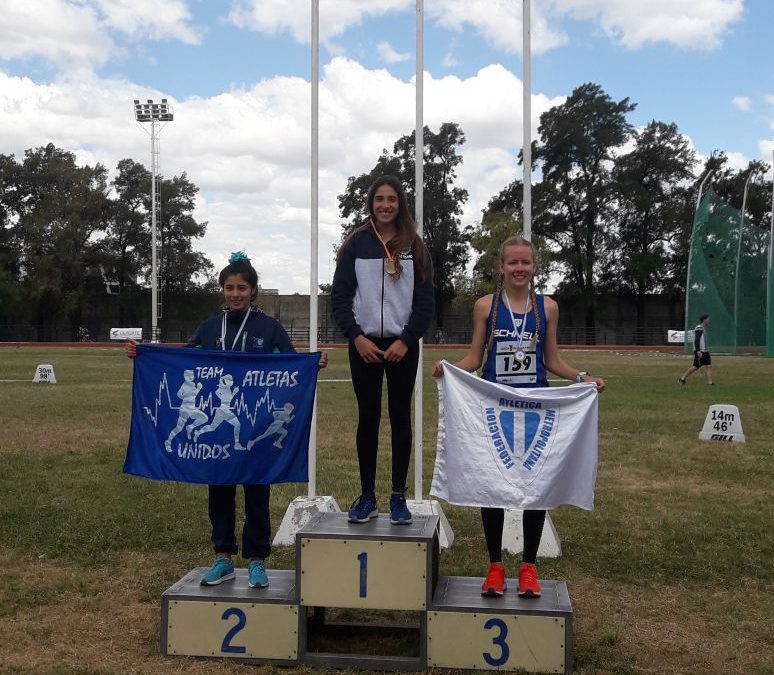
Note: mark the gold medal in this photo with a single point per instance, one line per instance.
(390, 266)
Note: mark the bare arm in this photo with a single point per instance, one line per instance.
(472, 361)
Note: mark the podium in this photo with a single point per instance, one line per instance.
(232, 620)
(368, 595)
(467, 630)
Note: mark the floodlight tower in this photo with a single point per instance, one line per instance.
(156, 114)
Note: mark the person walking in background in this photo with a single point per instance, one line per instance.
(701, 355)
(382, 301)
(514, 336)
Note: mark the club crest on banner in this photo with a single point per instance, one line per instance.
(521, 434)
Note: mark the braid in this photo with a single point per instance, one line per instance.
(533, 300)
(496, 300)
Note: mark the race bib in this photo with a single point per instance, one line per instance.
(512, 370)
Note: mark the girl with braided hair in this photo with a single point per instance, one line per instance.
(514, 337)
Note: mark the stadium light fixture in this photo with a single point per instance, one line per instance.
(157, 114)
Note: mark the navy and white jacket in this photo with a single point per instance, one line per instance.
(261, 333)
(367, 301)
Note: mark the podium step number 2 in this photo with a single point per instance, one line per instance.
(231, 620)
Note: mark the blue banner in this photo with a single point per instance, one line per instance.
(221, 417)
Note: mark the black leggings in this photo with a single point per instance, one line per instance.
(493, 520)
(367, 381)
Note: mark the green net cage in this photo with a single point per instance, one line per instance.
(727, 278)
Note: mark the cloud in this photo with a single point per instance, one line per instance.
(293, 17)
(688, 24)
(742, 103)
(388, 55)
(498, 21)
(449, 61)
(56, 30)
(78, 34)
(149, 19)
(769, 98)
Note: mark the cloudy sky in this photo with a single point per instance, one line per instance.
(237, 74)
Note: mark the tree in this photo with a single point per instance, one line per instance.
(446, 240)
(180, 264)
(650, 182)
(126, 233)
(59, 207)
(500, 221)
(578, 140)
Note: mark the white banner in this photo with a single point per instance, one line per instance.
(524, 448)
(676, 336)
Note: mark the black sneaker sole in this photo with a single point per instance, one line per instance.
(492, 593)
(529, 594)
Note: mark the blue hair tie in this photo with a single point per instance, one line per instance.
(238, 256)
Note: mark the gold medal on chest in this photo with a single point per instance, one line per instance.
(390, 267)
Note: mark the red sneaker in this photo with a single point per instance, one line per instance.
(494, 584)
(528, 581)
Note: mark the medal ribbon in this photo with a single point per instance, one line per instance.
(519, 333)
(236, 337)
(390, 256)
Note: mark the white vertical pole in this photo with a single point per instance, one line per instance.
(690, 258)
(527, 119)
(701, 189)
(739, 259)
(313, 272)
(154, 242)
(419, 184)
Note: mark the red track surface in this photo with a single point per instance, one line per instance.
(305, 345)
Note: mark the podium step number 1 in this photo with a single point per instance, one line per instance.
(722, 424)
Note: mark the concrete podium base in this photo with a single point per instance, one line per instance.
(299, 512)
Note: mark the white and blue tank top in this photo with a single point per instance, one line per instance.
(512, 339)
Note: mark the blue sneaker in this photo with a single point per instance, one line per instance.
(399, 513)
(222, 570)
(363, 509)
(256, 574)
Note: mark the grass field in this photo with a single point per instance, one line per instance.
(672, 572)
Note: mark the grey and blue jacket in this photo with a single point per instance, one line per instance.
(365, 300)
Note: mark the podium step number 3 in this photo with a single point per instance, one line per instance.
(722, 423)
